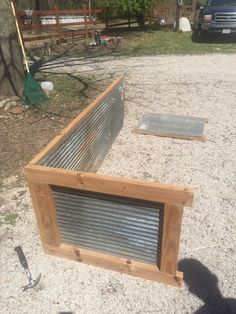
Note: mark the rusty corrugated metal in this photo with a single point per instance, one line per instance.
(87, 146)
(110, 224)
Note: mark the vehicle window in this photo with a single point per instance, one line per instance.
(221, 2)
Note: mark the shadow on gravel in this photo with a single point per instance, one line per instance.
(213, 38)
(204, 284)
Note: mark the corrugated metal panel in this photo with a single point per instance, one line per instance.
(87, 146)
(110, 224)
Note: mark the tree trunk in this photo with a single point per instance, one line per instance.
(11, 64)
(37, 5)
(141, 21)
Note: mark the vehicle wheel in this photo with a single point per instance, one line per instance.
(202, 35)
(195, 36)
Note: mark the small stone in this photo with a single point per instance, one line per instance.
(2, 116)
(17, 110)
(3, 102)
(15, 98)
(9, 104)
(36, 58)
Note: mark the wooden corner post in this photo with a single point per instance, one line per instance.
(170, 238)
(45, 212)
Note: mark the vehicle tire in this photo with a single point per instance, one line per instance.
(195, 36)
(203, 35)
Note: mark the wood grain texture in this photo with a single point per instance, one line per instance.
(122, 265)
(69, 129)
(45, 212)
(152, 191)
(172, 135)
(171, 238)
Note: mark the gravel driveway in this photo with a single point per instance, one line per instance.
(201, 86)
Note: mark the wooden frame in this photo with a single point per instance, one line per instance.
(171, 135)
(41, 179)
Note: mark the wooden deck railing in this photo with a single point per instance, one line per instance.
(34, 27)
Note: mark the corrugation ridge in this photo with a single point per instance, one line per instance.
(82, 150)
(63, 196)
(86, 158)
(81, 131)
(127, 220)
(101, 196)
(112, 240)
(83, 124)
(104, 243)
(128, 255)
(106, 211)
(105, 223)
(135, 233)
(117, 230)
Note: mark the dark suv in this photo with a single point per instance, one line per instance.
(217, 16)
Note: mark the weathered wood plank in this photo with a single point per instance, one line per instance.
(45, 212)
(171, 135)
(171, 238)
(115, 263)
(152, 191)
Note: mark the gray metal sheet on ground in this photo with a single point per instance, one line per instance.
(172, 126)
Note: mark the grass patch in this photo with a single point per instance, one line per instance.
(71, 94)
(170, 42)
(8, 218)
(152, 42)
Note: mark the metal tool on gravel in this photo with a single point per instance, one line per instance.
(32, 283)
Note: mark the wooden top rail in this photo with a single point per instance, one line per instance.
(61, 12)
(51, 36)
(152, 191)
(49, 26)
(172, 5)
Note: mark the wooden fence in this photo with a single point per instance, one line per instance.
(35, 25)
(50, 24)
(114, 24)
(168, 12)
(136, 214)
(160, 11)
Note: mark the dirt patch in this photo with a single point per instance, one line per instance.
(24, 134)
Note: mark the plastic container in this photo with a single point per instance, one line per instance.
(47, 85)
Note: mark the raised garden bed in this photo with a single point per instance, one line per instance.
(129, 226)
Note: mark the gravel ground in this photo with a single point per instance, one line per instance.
(201, 86)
